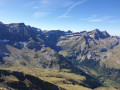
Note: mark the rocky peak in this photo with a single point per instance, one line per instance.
(85, 34)
(16, 24)
(1, 22)
(82, 32)
(105, 34)
(2, 25)
(19, 32)
(97, 34)
(96, 31)
(69, 31)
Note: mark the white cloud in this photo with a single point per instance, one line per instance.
(48, 5)
(40, 14)
(70, 9)
(96, 18)
(114, 21)
(55, 3)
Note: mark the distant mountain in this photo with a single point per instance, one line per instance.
(28, 46)
(96, 34)
(19, 32)
(91, 51)
(93, 54)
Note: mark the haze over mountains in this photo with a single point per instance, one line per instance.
(93, 54)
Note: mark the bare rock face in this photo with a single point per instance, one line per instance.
(18, 32)
(78, 47)
(91, 51)
(105, 34)
(97, 34)
(52, 38)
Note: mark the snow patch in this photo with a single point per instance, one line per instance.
(38, 30)
(91, 35)
(5, 40)
(23, 43)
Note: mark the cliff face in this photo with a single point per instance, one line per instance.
(94, 52)
(19, 32)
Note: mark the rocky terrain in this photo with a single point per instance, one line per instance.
(93, 54)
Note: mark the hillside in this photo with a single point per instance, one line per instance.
(95, 52)
(29, 47)
(12, 80)
(59, 45)
(92, 55)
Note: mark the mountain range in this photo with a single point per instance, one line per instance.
(93, 54)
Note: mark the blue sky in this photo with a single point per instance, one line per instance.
(75, 15)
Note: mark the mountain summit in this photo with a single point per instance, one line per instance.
(97, 34)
